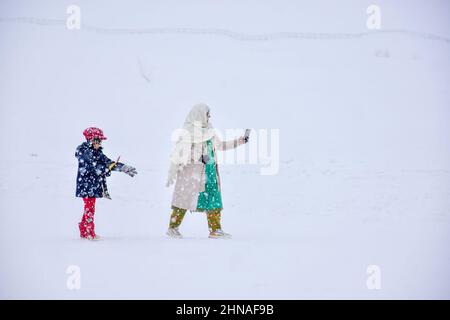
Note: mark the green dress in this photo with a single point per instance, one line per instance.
(210, 199)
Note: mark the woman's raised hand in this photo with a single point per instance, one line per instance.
(243, 140)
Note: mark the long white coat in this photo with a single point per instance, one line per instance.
(190, 181)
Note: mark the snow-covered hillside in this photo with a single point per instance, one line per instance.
(364, 171)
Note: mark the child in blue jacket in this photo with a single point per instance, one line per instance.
(93, 168)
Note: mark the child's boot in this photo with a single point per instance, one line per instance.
(95, 237)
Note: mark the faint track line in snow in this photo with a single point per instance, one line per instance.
(31, 20)
(241, 36)
(143, 72)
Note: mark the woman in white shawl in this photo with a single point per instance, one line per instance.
(193, 166)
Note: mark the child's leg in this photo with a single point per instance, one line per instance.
(176, 217)
(214, 217)
(87, 222)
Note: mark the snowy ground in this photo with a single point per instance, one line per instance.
(364, 175)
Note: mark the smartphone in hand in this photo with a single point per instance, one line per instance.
(247, 135)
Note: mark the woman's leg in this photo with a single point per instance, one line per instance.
(214, 217)
(176, 217)
(87, 227)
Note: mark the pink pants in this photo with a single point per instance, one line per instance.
(87, 222)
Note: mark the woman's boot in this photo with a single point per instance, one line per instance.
(175, 220)
(215, 228)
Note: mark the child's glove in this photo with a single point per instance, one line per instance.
(129, 170)
(205, 158)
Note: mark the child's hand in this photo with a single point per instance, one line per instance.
(129, 170)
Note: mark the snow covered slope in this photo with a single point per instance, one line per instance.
(364, 175)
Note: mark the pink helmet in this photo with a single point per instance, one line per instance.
(93, 132)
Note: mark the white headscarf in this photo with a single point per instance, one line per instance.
(197, 124)
(196, 130)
